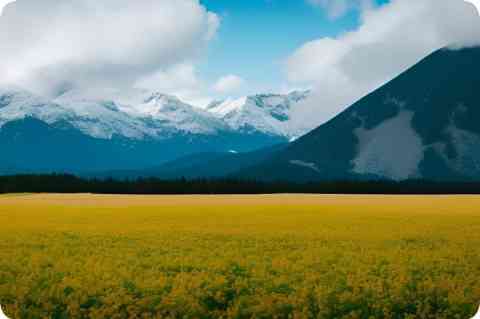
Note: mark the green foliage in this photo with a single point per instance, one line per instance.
(57, 183)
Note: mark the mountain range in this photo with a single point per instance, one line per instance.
(81, 131)
(421, 125)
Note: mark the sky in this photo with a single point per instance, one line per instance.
(200, 50)
(257, 36)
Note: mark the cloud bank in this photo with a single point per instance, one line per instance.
(3, 3)
(228, 84)
(52, 45)
(476, 3)
(337, 8)
(390, 39)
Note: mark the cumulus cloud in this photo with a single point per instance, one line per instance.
(181, 80)
(175, 78)
(228, 84)
(476, 3)
(3, 3)
(52, 45)
(390, 39)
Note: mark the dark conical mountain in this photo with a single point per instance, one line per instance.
(423, 124)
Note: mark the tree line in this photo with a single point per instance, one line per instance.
(65, 183)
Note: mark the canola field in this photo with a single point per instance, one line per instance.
(285, 256)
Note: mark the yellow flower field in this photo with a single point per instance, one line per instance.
(285, 256)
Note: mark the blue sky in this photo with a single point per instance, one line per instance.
(256, 36)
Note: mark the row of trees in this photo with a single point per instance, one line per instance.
(56, 183)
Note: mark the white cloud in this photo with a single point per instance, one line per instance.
(180, 80)
(50, 45)
(174, 78)
(337, 8)
(476, 3)
(390, 39)
(229, 84)
(3, 3)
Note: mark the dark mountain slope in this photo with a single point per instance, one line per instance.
(33, 146)
(423, 124)
(201, 165)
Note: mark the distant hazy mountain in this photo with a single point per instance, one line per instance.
(200, 165)
(109, 130)
(423, 124)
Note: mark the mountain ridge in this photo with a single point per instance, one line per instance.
(112, 130)
(140, 113)
(422, 124)
(269, 113)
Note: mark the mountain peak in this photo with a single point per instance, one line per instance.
(268, 113)
(141, 113)
(422, 124)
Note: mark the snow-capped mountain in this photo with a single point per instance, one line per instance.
(267, 113)
(18, 104)
(138, 114)
(423, 124)
(96, 118)
(104, 130)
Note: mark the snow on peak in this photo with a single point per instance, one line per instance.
(140, 114)
(103, 118)
(154, 113)
(134, 114)
(267, 113)
(225, 107)
(17, 104)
